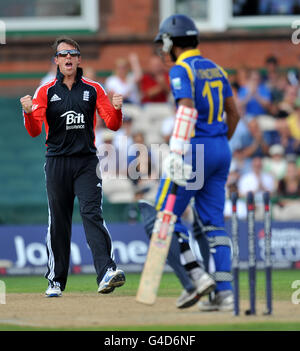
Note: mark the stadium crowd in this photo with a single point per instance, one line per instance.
(265, 146)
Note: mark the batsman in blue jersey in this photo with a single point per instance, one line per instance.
(200, 157)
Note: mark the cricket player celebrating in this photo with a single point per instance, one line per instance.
(67, 107)
(202, 93)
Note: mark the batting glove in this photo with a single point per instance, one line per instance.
(176, 169)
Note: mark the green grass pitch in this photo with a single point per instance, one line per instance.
(170, 286)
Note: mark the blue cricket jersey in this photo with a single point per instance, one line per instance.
(200, 79)
(206, 83)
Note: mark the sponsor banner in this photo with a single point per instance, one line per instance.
(23, 248)
(285, 244)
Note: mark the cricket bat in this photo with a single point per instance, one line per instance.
(158, 252)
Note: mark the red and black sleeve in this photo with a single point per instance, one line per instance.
(111, 116)
(34, 121)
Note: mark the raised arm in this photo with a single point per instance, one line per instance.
(111, 113)
(34, 111)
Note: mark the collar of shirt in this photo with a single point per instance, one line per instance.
(60, 76)
(187, 54)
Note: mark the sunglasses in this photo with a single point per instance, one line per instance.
(64, 53)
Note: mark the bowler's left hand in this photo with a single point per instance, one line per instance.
(117, 101)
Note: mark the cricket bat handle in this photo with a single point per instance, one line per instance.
(171, 198)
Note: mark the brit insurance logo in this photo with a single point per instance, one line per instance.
(74, 120)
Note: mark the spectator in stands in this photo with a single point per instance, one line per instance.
(298, 163)
(125, 131)
(235, 91)
(276, 163)
(240, 79)
(256, 180)
(89, 73)
(248, 142)
(154, 85)
(117, 188)
(99, 130)
(140, 191)
(293, 121)
(140, 160)
(257, 145)
(243, 122)
(167, 127)
(286, 106)
(270, 75)
(125, 79)
(107, 154)
(123, 141)
(232, 186)
(282, 135)
(293, 75)
(288, 194)
(289, 186)
(278, 93)
(255, 96)
(142, 169)
(244, 165)
(277, 7)
(51, 73)
(275, 81)
(233, 177)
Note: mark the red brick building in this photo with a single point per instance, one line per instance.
(130, 26)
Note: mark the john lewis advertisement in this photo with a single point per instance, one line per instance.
(23, 248)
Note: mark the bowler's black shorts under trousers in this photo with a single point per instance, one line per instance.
(67, 177)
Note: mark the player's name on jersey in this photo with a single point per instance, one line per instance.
(209, 73)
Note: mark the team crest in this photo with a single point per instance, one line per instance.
(86, 95)
(176, 82)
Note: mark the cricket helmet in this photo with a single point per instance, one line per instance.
(176, 29)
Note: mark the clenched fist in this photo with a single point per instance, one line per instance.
(117, 101)
(26, 103)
